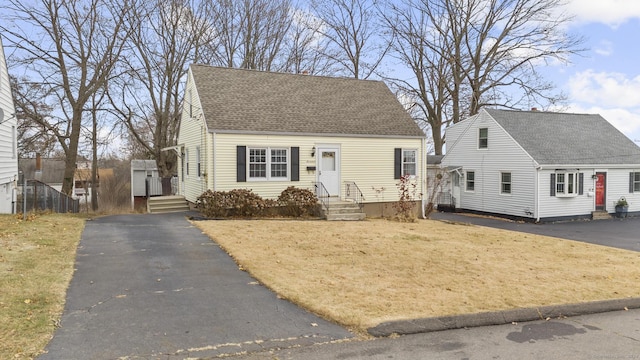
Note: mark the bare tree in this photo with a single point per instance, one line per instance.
(34, 119)
(166, 37)
(352, 30)
(248, 34)
(70, 48)
(305, 46)
(466, 54)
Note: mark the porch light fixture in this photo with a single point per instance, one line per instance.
(313, 151)
(594, 176)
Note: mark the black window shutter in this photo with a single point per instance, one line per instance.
(397, 164)
(580, 183)
(631, 182)
(241, 163)
(295, 164)
(553, 185)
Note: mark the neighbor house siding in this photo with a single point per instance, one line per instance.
(503, 154)
(617, 185)
(367, 161)
(8, 140)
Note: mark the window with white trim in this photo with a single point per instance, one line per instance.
(635, 181)
(505, 183)
(470, 180)
(409, 162)
(483, 138)
(198, 164)
(566, 184)
(274, 166)
(186, 156)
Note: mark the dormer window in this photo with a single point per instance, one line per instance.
(483, 138)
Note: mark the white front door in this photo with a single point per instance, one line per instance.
(456, 188)
(329, 169)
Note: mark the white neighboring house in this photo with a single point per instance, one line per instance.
(541, 166)
(8, 141)
(264, 131)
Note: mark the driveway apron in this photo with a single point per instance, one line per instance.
(155, 287)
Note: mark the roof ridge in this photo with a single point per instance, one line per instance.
(301, 75)
(542, 112)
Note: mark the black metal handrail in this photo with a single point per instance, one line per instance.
(353, 192)
(322, 194)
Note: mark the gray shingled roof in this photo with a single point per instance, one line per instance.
(52, 170)
(560, 138)
(238, 100)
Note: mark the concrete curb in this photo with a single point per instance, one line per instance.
(405, 327)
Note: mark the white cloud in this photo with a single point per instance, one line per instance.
(605, 48)
(613, 95)
(606, 89)
(611, 12)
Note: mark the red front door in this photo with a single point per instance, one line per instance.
(601, 179)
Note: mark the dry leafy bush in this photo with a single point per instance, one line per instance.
(234, 203)
(292, 202)
(297, 202)
(408, 195)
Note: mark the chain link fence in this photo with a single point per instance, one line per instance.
(38, 196)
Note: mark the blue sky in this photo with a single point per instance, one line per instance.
(606, 78)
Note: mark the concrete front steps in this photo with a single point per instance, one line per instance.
(600, 215)
(164, 204)
(344, 211)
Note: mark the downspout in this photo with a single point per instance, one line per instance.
(213, 161)
(536, 202)
(424, 186)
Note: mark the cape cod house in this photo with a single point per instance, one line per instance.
(8, 142)
(541, 166)
(265, 131)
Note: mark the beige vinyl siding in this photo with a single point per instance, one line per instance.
(193, 134)
(367, 161)
(8, 140)
(502, 155)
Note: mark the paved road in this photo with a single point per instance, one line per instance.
(605, 336)
(155, 287)
(620, 233)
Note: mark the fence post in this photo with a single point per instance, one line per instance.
(24, 198)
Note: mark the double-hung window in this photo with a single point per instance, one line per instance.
(198, 164)
(483, 138)
(566, 184)
(186, 156)
(471, 180)
(268, 163)
(634, 182)
(409, 163)
(505, 183)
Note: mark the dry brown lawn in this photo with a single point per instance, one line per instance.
(36, 265)
(360, 274)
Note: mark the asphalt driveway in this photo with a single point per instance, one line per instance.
(155, 287)
(619, 233)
